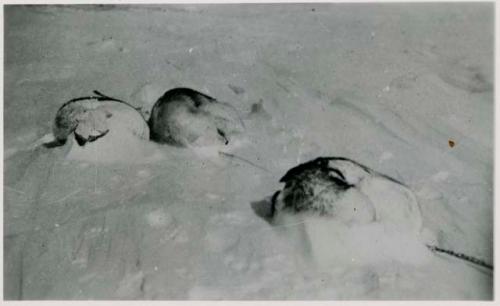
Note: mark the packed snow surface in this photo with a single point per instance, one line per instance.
(406, 89)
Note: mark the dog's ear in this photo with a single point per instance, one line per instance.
(223, 135)
(80, 139)
(273, 203)
(338, 177)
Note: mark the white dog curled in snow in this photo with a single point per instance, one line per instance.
(344, 212)
(99, 128)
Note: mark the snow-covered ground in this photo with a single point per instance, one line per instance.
(392, 86)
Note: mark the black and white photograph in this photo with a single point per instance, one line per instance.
(249, 151)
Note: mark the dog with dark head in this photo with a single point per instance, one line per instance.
(186, 117)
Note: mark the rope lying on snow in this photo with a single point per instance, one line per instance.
(244, 160)
(462, 256)
(99, 97)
